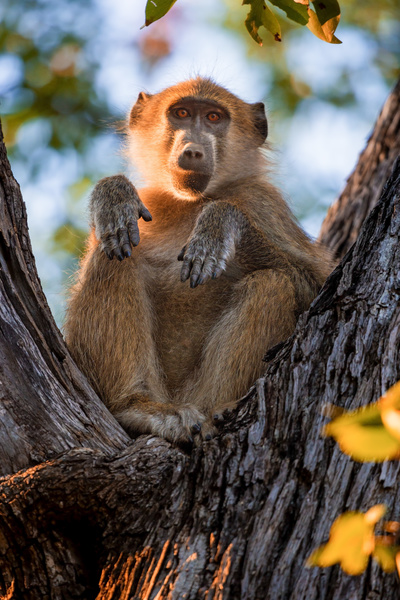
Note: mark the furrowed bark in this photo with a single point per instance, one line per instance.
(237, 517)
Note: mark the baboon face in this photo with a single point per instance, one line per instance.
(195, 136)
(197, 126)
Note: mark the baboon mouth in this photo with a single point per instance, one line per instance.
(195, 181)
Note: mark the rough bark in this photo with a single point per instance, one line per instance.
(235, 518)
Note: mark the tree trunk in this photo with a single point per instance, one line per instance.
(110, 518)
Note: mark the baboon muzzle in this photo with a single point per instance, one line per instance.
(196, 166)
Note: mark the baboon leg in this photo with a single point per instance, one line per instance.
(261, 314)
(109, 330)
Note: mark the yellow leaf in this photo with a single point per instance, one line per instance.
(390, 410)
(324, 32)
(374, 514)
(385, 556)
(362, 434)
(351, 541)
(398, 563)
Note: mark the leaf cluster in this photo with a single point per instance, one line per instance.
(321, 17)
(370, 433)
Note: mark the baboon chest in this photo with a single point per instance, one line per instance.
(184, 317)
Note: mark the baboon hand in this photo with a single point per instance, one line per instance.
(116, 208)
(205, 258)
(211, 245)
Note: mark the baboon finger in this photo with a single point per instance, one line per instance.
(218, 418)
(217, 272)
(182, 253)
(126, 250)
(144, 213)
(208, 269)
(133, 230)
(111, 246)
(186, 267)
(123, 240)
(196, 270)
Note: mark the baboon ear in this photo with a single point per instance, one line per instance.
(260, 120)
(137, 108)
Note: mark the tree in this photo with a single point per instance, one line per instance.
(92, 514)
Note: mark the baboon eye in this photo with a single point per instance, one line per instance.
(182, 113)
(213, 117)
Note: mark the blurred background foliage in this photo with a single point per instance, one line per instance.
(70, 69)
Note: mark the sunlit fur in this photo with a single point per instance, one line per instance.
(164, 356)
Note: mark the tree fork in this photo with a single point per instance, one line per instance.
(238, 516)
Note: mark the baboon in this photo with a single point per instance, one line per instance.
(175, 330)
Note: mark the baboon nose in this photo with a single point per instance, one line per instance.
(193, 151)
(192, 157)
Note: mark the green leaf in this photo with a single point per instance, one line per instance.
(261, 15)
(155, 9)
(321, 24)
(294, 11)
(327, 10)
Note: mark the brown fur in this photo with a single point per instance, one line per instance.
(163, 356)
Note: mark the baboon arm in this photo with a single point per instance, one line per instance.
(222, 234)
(224, 239)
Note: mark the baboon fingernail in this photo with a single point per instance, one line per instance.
(196, 428)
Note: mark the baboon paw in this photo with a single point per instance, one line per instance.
(208, 431)
(192, 419)
(118, 231)
(218, 418)
(183, 427)
(202, 261)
